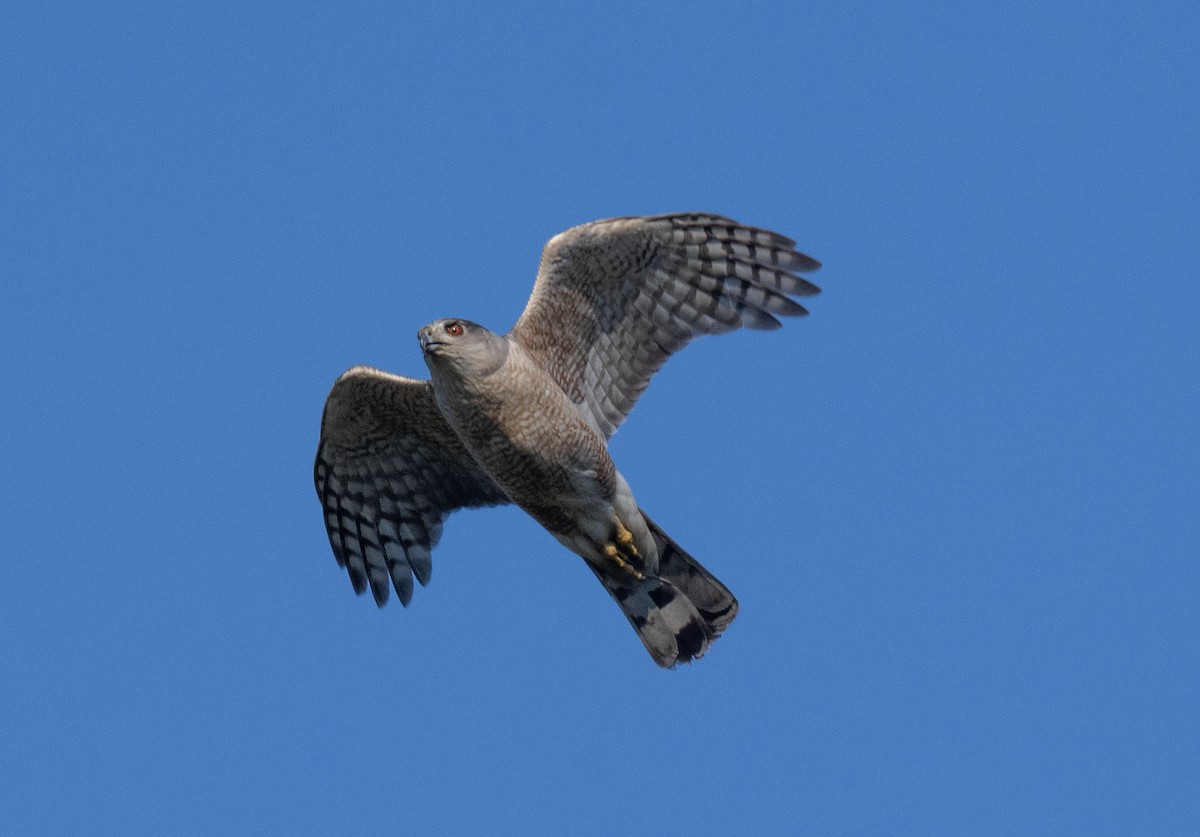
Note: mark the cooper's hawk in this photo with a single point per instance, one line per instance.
(526, 417)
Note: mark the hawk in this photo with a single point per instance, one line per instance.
(525, 417)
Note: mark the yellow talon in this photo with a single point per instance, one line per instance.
(610, 550)
(625, 539)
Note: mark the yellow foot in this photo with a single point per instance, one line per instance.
(611, 551)
(625, 539)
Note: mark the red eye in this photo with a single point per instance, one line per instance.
(454, 329)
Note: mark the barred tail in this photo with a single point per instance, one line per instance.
(710, 597)
(677, 613)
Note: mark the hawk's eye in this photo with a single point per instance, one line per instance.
(454, 329)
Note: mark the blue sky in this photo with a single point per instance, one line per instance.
(958, 503)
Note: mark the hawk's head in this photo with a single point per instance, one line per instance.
(463, 346)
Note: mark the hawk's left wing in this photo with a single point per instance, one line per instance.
(388, 471)
(614, 299)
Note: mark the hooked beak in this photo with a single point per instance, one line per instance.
(425, 338)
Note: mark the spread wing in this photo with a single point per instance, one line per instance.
(615, 298)
(388, 471)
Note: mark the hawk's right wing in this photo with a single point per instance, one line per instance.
(388, 471)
